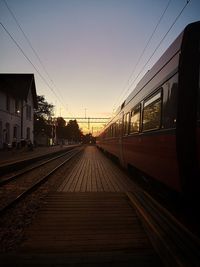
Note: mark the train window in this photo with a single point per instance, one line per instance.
(114, 130)
(135, 120)
(105, 134)
(108, 132)
(111, 130)
(117, 128)
(126, 123)
(152, 113)
(120, 127)
(170, 91)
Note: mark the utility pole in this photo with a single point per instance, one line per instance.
(88, 123)
(55, 137)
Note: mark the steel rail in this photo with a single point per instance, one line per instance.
(175, 244)
(36, 185)
(19, 164)
(13, 177)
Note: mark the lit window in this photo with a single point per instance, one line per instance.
(152, 113)
(126, 123)
(135, 120)
(17, 106)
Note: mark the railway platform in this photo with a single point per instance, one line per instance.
(14, 155)
(95, 218)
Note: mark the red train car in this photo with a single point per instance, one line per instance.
(157, 128)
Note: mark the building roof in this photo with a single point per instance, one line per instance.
(18, 85)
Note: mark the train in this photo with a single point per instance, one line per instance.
(156, 130)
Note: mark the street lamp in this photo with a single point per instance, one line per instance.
(22, 117)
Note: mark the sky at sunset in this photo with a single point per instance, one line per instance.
(88, 49)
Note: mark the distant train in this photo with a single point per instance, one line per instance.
(157, 128)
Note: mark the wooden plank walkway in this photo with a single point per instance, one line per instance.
(86, 229)
(95, 173)
(89, 221)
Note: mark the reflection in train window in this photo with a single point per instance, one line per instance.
(114, 130)
(117, 128)
(135, 120)
(126, 123)
(152, 113)
(170, 96)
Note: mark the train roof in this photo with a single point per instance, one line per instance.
(172, 50)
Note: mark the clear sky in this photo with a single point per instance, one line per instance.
(89, 48)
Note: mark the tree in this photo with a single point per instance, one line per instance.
(61, 130)
(73, 131)
(44, 109)
(89, 139)
(42, 114)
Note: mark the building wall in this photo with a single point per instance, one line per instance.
(28, 119)
(16, 121)
(10, 121)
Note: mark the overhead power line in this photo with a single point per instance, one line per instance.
(27, 39)
(150, 38)
(22, 51)
(143, 51)
(174, 22)
(34, 51)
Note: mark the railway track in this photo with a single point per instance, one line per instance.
(99, 226)
(41, 162)
(13, 165)
(16, 187)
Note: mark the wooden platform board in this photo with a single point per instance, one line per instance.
(86, 229)
(96, 173)
(87, 222)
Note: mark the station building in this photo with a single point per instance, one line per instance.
(17, 102)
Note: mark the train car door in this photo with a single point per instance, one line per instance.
(198, 118)
(187, 130)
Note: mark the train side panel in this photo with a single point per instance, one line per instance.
(161, 118)
(155, 155)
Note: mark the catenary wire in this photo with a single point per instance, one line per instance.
(19, 47)
(150, 38)
(158, 45)
(27, 39)
(141, 55)
(174, 22)
(34, 51)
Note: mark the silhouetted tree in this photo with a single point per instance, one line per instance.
(61, 129)
(73, 131)
(89, 139)
(42, 116)
(44, 109)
